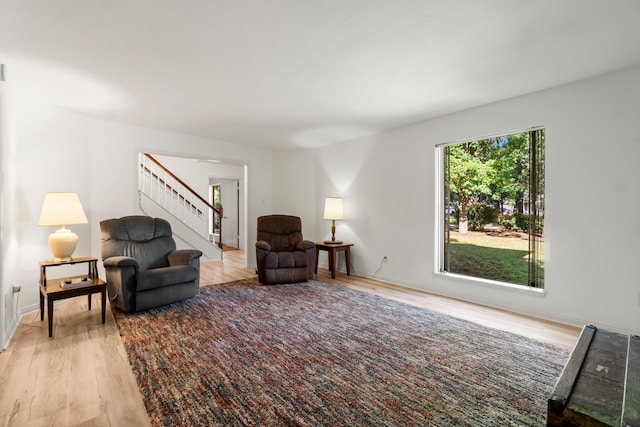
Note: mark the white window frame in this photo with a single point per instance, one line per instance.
(438, 267)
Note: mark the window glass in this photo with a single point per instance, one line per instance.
(493, 208)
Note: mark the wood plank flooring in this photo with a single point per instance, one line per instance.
(81, 376)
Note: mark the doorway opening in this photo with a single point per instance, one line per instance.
(225, 193)
(220, 184)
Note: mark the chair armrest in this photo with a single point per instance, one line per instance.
(183, 256)
(263, 249)
(261, 244)
(120, 262)
(121, 274)
(303, 245)
(309, 248)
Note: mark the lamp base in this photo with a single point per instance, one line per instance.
(333, 242)
(62, 244)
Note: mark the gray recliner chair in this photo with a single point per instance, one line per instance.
(282, 255)
(142, 265)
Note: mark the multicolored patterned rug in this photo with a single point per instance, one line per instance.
(239, 354)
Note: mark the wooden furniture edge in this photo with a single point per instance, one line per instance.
(631, 402)
(567, 379)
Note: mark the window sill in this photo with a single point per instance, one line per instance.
(526, 290)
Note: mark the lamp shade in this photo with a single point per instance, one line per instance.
(333, 208)
(61, 209)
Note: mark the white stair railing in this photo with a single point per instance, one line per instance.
(173, 195)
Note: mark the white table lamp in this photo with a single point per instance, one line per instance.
(62, 209)
(333, 211)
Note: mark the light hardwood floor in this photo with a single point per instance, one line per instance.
(81, 376)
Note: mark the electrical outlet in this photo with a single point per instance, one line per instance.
(385, 259)
(16, 288)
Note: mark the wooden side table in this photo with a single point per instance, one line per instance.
(332, 250)
(52, 289)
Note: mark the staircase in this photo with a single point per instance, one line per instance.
(163, 194)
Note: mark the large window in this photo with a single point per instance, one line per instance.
(493, 208)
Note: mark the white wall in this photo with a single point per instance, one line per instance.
(6, 325)
(294, 188)
(592, 239)
(51, 149)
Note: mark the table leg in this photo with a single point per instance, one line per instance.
(41, 306)
(347, 257)
(332, 262)
(104, 302)
(317, 255)
(89, 301)
(50, 315)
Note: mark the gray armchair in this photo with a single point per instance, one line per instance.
(282, 255)
(142, 265)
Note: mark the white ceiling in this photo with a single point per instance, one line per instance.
(304, 73)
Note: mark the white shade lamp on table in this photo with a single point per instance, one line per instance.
(333, 211)
(62, 209)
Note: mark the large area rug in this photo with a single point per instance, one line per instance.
(326, 355)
